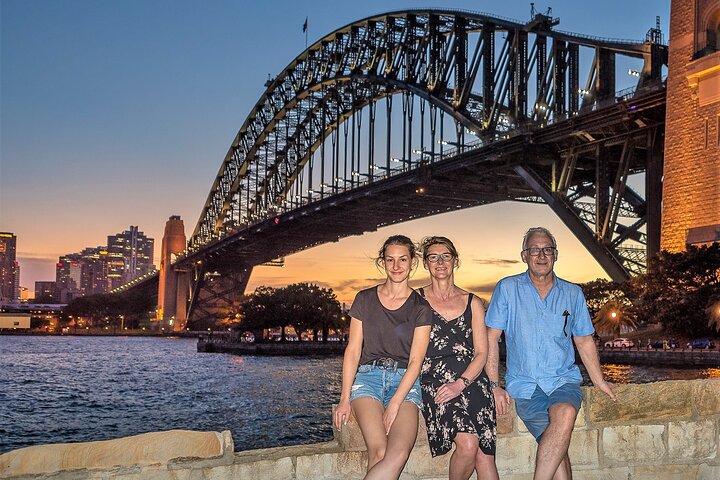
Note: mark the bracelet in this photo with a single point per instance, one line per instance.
(465, 380)
(493, 384)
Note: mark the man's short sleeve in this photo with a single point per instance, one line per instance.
(497, 313)
(582, 325)
(359, 306)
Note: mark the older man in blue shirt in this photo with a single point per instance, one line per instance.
(542, 315)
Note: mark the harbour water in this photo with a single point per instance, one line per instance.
(58, 389)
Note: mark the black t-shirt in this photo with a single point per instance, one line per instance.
(389, 333)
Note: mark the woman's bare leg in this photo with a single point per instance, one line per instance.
(400, 442)
(369, 413)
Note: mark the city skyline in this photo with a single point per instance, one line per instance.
(120, 114)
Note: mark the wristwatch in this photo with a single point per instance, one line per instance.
(465, 380)
(493, 384)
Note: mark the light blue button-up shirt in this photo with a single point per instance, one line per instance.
(538, 351)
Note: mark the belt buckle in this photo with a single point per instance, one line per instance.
(389, 364)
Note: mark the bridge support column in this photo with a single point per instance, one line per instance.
(173, 285)
(215, 294)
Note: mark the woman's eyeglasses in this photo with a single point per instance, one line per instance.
(535, 251)
(435, 257)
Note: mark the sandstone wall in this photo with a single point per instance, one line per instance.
(691, 185)
(664, 430)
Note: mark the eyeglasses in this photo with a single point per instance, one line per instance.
(535, 251)
(435, 257)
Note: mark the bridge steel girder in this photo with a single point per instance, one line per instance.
(215, 290)
(473, 68)
(605, 256)
(390, 47)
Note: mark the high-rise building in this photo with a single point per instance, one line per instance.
(96, 270)
(94, 267)
(130, 255)
(68, 275)
(8, 268)
(46, 291)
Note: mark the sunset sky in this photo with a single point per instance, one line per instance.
(119, 113)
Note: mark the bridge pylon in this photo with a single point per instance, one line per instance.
(173, 284)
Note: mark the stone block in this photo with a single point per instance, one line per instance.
(506, 423)
(421, 464)
(665, 472)
(615, 473)
(351, 463)
(708, 472)
(584, 447)
(144, 449)
(633, 443)
(641, 402)
(281, 468)
(515, 454)
(697, 440)
(706, 397)
(315, 466)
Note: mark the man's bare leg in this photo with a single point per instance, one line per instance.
(554, 443)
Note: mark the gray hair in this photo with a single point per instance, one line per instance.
(535, 230)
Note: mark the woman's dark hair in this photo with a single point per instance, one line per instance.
(401, 240)
(428, 242)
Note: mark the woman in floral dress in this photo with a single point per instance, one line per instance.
(458, 403)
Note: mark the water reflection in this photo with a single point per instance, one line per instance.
(75, 389)
(617, 373)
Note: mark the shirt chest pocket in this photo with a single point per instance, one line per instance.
(560, 325)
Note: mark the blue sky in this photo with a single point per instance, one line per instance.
(115, 113)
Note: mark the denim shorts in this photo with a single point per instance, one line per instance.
(535, 412)
(381, 383)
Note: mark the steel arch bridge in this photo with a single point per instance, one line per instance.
(419, 112)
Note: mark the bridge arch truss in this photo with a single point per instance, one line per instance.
(399, 93)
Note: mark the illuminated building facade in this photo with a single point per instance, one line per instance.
(129, 256)
(68, 274)
(46, 291)
(691, 186)
(9, 270)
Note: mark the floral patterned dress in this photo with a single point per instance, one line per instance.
(473, 410)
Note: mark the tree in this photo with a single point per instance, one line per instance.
(599, 292)
(682, 289)
(302, 305)
(612, 316)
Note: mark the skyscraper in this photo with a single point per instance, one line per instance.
(130, 255)
(8, 268)
(68, 275)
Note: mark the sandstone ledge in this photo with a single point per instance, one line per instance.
(663, 430)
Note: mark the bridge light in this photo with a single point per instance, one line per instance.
(276, 220)
(633, 73)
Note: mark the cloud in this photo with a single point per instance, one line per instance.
(498, 262)
(37, 257)
(482, 288)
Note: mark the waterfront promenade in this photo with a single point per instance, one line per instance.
(665, 430)
(682, 357)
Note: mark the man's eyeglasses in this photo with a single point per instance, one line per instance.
(535, 251)
(435, 257)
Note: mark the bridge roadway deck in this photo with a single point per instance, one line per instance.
(474, 177)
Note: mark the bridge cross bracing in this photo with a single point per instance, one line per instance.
(415, 113)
